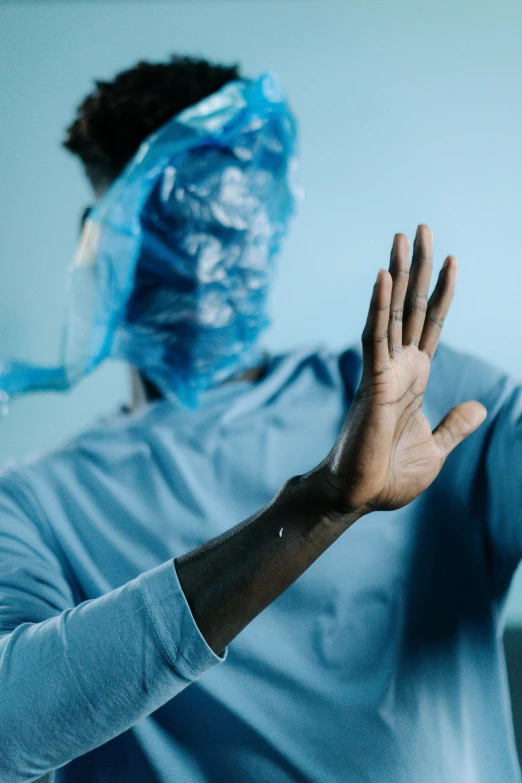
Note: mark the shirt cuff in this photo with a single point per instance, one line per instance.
(186, 647)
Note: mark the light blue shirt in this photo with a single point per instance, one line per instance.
(382, 664)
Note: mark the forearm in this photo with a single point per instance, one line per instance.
(75, 681)
(231, 579)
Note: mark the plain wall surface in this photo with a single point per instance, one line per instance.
(409, 112)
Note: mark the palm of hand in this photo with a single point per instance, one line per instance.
(409, 458)
(387, 454)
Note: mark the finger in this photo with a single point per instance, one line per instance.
(400, 272)
(375, 334)
(457, 425)
(418, 286)
(438, 306)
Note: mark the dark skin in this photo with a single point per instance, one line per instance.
(384, 457)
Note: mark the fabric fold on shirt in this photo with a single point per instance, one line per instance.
(104, 665)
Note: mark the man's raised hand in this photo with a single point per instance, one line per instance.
(387, 454)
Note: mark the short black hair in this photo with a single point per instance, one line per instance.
(113, 120)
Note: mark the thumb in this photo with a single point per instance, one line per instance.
(456, 425)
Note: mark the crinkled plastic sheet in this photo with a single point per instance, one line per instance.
(174, 264)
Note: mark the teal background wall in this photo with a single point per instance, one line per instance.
(409, 112)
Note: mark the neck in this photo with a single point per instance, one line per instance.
(144, 391)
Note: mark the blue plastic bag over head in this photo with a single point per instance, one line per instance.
(174, 264)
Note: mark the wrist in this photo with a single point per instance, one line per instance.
(318, 495)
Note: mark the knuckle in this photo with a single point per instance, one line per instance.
(447, 434)
(463, 423)
(435, 319)
(381, 369)
(366, 337)
(418, 306)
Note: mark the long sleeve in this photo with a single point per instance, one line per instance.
(503, 484)
(484, 474)
(73, 677)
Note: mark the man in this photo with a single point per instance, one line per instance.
(381, 662)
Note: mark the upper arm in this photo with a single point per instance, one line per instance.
(484, 473)
(503, 482)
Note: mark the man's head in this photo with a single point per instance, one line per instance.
(117, 116)
(174, 280)
(177, 278)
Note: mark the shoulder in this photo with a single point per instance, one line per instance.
(339, 368)
(23, 478)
